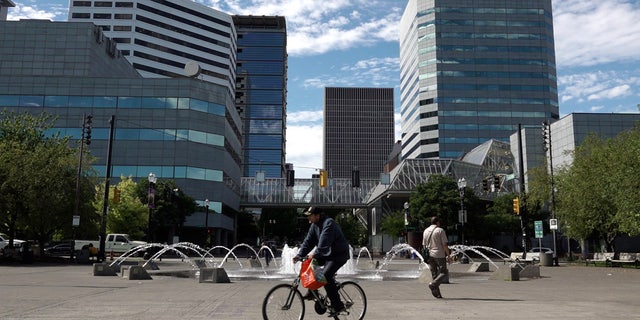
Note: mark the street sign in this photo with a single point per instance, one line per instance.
(538, 229)
(553, 224)
(76, 221)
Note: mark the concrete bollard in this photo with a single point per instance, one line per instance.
(135, 272)
(213, 275)
(479, 267)
(103, 269)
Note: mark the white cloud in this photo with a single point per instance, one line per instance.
(596, 32)
(611, 93)
(21, 11)
(304, 148)
(596, 86)
(304, 117)
(317, 26)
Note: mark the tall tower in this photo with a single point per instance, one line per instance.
(358, 131)
(472, 71)
(261, 96)
(160, 37)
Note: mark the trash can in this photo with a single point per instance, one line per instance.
(546, 259)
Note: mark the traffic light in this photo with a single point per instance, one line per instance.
(324, 178)
(516, 206)
(116, 195)
(496, 183)
(485, 184)
(355, 178)
(291, 178)
(87, 128)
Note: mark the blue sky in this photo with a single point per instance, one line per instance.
(354, 43)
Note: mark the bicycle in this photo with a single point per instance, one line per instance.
(285, 301)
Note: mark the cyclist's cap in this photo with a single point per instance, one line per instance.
(312, 210)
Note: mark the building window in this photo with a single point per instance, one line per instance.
(80, 15)
(103, 4)
(123, 16)
(82, 3)
(102, 16)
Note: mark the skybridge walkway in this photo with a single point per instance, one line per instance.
(273, 192)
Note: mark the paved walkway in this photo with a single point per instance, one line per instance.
(57, 291)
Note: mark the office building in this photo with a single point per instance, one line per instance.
(358, 131)
(471, 71)
(167, 38)
(261, 92)
(184, 129)
(4, 8)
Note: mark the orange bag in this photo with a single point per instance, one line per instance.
(312, 275)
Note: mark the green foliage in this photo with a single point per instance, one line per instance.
(393, 224)
(438, 197)
(38, 174)
(353, 230)
(129, 215)
(598, 195)
(171, 207)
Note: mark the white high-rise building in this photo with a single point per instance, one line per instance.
(162, 37)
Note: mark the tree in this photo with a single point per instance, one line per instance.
(353, 230)
(585, 203)
(393, 224)
(128, 214)
(38, 174)
(437, 197)
(171, 207)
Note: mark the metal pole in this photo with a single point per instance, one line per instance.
(523, 211)
(553, 194)
(206, 224)
(105, 203)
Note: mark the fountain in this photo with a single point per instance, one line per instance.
(359, 266)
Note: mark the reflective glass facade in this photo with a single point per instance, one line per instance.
(183, 129)
(472, 71)
(261, 92)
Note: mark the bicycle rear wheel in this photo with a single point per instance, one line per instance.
(283, 301)
(354, 299)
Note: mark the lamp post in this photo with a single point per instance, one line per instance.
(462, 214)
(206, 223)
(151, 201)
(406, 222)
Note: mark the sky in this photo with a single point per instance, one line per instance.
(354, 43)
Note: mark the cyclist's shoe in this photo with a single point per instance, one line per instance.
(338, 311)
(309, 295)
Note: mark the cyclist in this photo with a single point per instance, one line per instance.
(332, 251)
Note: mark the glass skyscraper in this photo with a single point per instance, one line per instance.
(472, 71)
(261, 95)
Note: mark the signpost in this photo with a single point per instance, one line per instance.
(538, 231)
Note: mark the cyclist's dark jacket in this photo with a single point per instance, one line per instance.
(327, 236)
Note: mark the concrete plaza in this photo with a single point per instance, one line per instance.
(69, 291)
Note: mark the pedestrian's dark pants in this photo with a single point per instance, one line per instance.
(330, 269)
(439, 270)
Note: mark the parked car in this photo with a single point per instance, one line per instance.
(61, 249)
(541, 249)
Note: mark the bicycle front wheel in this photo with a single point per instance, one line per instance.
(354, 299)
(283, 301)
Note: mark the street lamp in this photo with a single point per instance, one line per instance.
(206, 222)
(151, 201)
(406, 222)
(462, 214)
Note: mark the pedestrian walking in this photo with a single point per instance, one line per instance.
(434, 240)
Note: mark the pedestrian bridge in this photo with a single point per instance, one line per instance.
(273, 192)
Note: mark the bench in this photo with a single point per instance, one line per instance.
(624, 258)
(599, 257)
